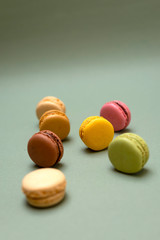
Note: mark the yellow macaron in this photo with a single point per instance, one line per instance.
(96, 132)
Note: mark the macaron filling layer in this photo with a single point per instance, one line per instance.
(124, 111)
(55, 139)
(48, 194)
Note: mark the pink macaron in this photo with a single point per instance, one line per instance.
(117, 113)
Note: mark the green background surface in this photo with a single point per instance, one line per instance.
(86, 53)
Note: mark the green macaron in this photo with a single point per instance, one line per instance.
(128, 153)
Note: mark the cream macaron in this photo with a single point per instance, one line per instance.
(49, 103)
(44, 187)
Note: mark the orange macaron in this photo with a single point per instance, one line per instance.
(56, 122)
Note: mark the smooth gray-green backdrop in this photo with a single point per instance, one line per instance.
(86, 53)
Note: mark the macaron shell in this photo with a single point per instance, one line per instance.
(124, 156)
(56, 122)
(46, 202)
(58, 102)
(42, 150)
(115, 114)
(139, 143)
(84, 123)
(97, 133)
(46, 106)
(49, 103)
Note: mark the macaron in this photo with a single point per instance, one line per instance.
(44, 187)
(128, 153)
(49, 103)
(56, 122)
(96, 132)
(45, 148)
(117, 113)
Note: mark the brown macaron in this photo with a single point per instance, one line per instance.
(45, 148)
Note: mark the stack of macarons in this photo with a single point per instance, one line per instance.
(45, 147)
(46, 187)
(51, 114)
(128, 152)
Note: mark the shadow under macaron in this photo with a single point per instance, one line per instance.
(67, 140)
(90, 151)
(126, 130)
(61, 166)
(144, 172)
